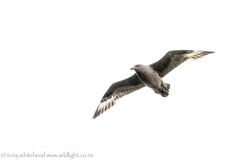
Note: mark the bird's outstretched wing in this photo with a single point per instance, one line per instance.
(116, 91)
(174, 58)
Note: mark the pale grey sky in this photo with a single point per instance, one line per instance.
(58, 58)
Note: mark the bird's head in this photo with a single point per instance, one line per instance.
(137, 67)
(140, 70)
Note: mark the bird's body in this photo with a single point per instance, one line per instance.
(148, 75)
(150, 78)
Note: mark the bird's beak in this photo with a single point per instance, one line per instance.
(132, 68)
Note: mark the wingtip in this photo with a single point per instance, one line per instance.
(202, 51)
(95, 115)
(209, 52)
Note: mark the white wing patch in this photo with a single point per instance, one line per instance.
(103, 106)
(197, 54)
(107, 103)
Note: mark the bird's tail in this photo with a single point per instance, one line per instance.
(165, 89)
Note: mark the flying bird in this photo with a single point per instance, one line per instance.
(148, 75)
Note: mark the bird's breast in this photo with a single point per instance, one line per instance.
(150, 79)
